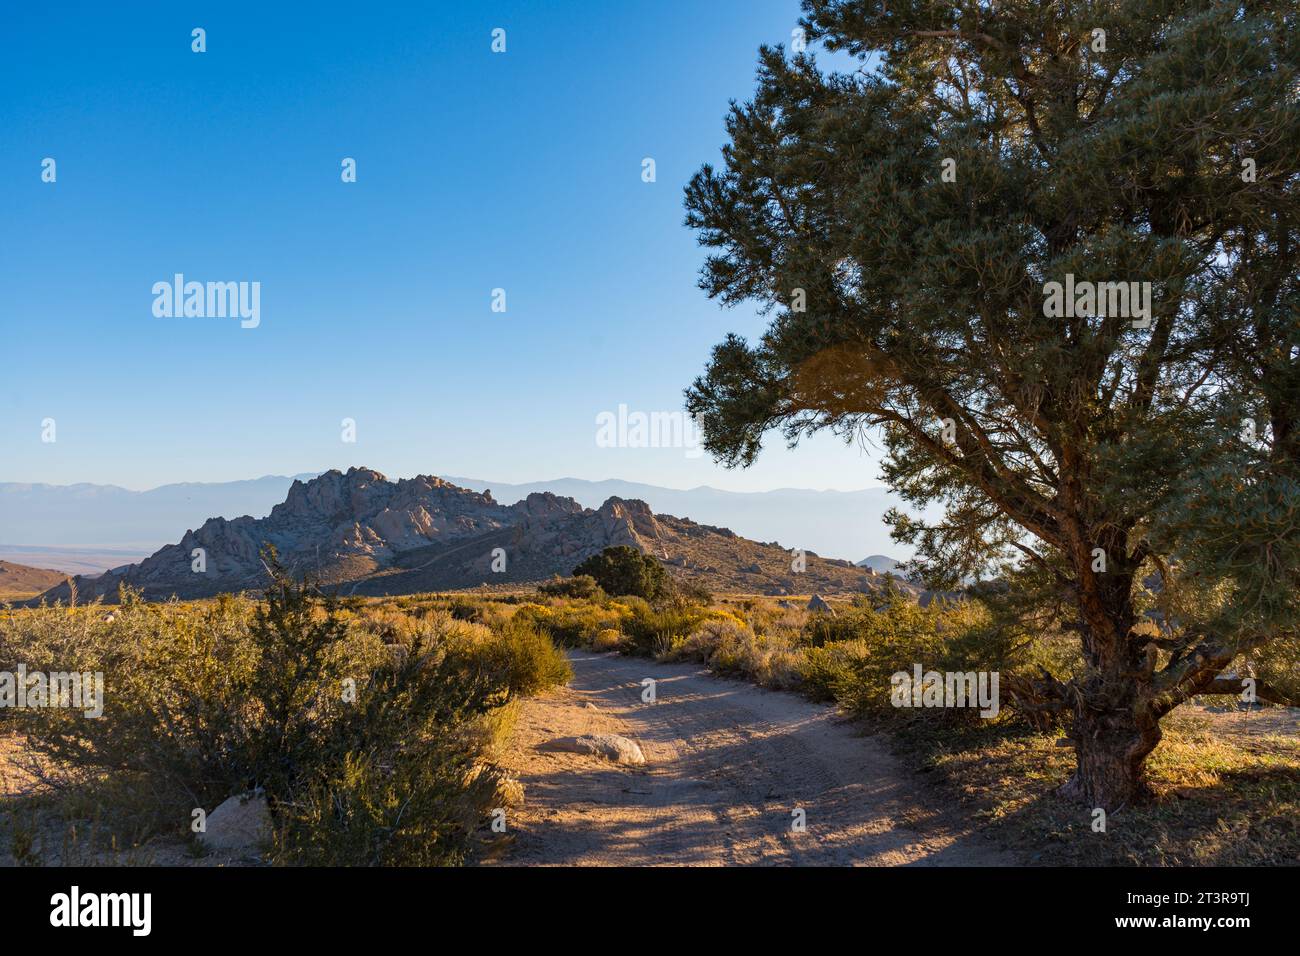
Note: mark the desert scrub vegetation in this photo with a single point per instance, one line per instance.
(727, 645)
(578, 586)
(847, 656)
(370, 729)
(574, 623)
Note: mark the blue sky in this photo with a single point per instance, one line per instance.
(475, 171)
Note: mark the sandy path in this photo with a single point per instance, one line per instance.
(727, 763)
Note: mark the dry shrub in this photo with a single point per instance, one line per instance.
(371, 732)
(728, 645)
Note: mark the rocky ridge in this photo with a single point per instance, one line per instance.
(364, 534)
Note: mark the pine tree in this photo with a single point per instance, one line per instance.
(905, 224)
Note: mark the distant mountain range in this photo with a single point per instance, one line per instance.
(71, 527)
(87, 516)
(878, 563)
(367, 535)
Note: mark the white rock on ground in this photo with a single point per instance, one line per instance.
(616, 748)
(239, 824)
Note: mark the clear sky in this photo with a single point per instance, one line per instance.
(475, 171)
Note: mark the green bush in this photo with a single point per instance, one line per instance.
(625, 570)
(846, 625)
(830, 672)
(401, 780)
(652, 631)
(856, 672)
(1277, 664)
(573, 625)
(728, 645)
(521, 654)
(466, 609)
(178, 712)
(580, 586)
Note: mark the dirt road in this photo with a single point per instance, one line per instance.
(729, 765)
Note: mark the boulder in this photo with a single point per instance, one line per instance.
(239, 825)
(611, 746)
(818, 604)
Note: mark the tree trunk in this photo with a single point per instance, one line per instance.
(1111, 747)
(1115, 724)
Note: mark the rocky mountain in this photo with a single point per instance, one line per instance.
(85, 528)
(367, 535)
(839, 523)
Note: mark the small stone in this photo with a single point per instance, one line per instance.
(611, 746)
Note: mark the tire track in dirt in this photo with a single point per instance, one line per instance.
(727, 763)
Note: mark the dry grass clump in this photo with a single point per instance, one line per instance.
(1224, 798)
(729, 646)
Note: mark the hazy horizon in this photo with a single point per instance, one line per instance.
(449, 476)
